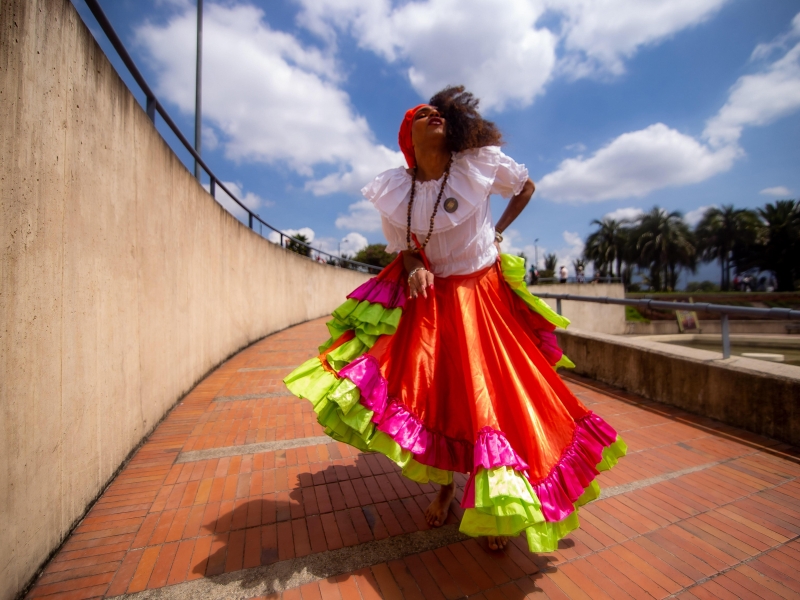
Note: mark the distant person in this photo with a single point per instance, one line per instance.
(450, 369)
(564, 274)
(580, 278)
(534, 279)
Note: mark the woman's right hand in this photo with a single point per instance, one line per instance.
(419, 282)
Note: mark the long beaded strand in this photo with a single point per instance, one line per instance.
(435, 207)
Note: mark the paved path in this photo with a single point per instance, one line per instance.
(236, 495)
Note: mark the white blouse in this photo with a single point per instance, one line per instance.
(462, 241)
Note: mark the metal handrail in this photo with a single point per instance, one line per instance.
(153, 106)
(722, 309)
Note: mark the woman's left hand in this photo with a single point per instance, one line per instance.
(419, 282)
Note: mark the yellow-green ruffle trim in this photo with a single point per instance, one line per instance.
(513, 268)
(507, 505)
(337, 404)
(368, 320)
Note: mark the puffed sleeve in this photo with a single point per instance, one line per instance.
(395, 236)
(510, 177)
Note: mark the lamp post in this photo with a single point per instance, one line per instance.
(536, 253)
(198, 128)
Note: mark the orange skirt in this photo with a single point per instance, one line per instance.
(464, 381)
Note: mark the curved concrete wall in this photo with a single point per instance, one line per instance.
(122, 282)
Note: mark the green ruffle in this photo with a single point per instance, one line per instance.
(337, 404)
(368, 320)
(513, 268)
(506, 505)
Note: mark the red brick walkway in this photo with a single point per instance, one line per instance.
(696, 510)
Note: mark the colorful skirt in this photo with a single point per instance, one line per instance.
(465, 381)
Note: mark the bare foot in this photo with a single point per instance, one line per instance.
(496, 542)
(436, 513)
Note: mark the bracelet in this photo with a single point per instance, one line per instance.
(414, 272)
(498, 237)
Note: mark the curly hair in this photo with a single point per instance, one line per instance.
(466, 128)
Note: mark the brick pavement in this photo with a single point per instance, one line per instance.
(697, 510)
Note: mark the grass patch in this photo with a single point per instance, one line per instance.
(633, 315)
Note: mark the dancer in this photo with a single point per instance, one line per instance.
(445, 362)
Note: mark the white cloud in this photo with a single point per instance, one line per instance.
(778, 191)
(758, 99)
(362, 216)
(624, 214)
(639, 162)
(513, 243)
(275, 237)
(599, 35)
(693, 217)
(352, 243)
(763, 51)
(499, 54)
(252, 201)
(635, 164)
(269, 98)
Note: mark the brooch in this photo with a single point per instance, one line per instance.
(451, 205)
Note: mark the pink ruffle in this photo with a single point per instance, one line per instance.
(492, 449)
(430, 448)
(576, 469)
(387, 293)
(366, 374)
(558, 491)
(549, 346)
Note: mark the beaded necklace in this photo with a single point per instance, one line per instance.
(435, 207)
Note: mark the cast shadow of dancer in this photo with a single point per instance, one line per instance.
(279, 540)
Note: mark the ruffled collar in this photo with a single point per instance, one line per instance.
(471, 177)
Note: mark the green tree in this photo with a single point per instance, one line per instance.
(780, 241)
(375, 255)
(297, 244)
(665, 246)
(550, 262)
(724, 231)
(605, 246)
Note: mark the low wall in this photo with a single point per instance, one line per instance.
(588, 316)
(755, 395)
(767, 326)
(122, 282)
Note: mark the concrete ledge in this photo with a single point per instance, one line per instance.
(754, 327)
(755, 395)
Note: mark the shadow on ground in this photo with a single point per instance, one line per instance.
(261, 536)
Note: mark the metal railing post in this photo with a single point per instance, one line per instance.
(558, 305)
(250, 215)
(726, 337)
(151, 108)
(212, 187)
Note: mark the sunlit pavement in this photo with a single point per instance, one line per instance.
(235, 495)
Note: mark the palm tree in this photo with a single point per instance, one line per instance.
(665, 246)
(604, 247)
(550, 262)
(781, 241)
(297, 243)
(723, 230)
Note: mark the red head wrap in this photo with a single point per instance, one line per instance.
(404, 137)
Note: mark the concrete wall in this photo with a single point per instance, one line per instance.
(768, 326)
(588, 316)
(752, 394)
(121, 281)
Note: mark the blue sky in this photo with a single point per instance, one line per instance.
(613, 106)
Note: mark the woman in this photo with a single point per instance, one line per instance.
(445, 362)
